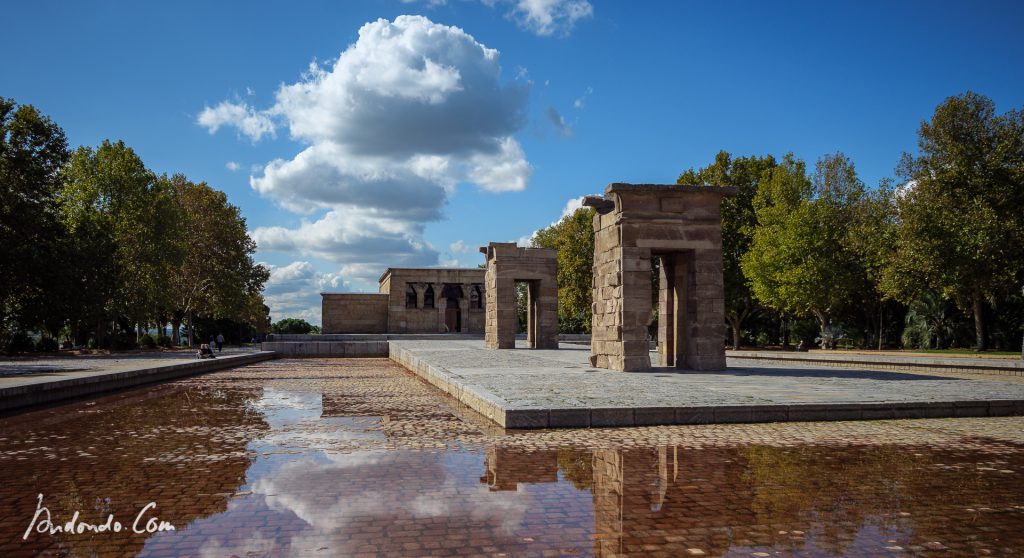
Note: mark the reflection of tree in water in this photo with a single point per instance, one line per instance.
(893, 489)
(577, 467)
(116, 455)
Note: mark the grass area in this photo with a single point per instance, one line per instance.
(903, 352)
(963, 352)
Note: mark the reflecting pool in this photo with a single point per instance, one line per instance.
(358, 457)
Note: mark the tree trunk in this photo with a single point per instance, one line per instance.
(881, 322)
(175, 328)
(980, 330)
(785, 335)
(734, 322)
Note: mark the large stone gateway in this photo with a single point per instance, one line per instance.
(508, 264)
(682, 227)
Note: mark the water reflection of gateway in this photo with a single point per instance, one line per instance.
(637, 492)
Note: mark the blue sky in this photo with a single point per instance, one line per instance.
(480, 120)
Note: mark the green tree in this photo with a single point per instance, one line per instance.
(800, 261)
(215, 274)
(573, 237)
(118, 215)
(739, 221)
(293, 325)
(961, 210)
(33, 149)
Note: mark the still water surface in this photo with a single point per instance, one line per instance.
(353, 457)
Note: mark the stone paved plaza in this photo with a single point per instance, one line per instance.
(558, 388)
(358, 457)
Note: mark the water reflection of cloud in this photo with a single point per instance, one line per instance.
(331, 492)
(255, 545)
(284, 406)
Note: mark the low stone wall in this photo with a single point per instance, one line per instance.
(83, 384)
(347, 345)
(336, 349)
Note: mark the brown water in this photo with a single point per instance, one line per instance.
(345, 457)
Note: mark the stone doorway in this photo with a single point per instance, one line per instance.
(675, 320)
(453, 316)
(681, 226)
(508, 264)
(452, 293)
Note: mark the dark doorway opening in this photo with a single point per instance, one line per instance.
(453, 316)
(675, 313)
(452, 292)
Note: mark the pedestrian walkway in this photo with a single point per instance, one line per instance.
(28, 381)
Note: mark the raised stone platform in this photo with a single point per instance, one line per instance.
(558, 389)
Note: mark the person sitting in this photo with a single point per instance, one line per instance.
(205, 351)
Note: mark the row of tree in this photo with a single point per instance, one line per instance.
(96, 248)
(936, 261)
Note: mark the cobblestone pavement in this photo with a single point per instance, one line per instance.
(359, 457)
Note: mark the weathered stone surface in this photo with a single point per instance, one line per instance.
(681, 226)
(355, 312)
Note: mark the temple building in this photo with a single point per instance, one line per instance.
(411, 300)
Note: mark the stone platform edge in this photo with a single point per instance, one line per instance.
(13, 398)
(487, 404)
(501, 412)
(962, 365)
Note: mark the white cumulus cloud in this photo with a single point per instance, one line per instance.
(247, 120)
(365, 241)
(232, 166)
(293, 290)
(389, 129)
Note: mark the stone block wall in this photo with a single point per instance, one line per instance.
(354, 313)
(681, 225)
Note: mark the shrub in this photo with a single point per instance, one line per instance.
(147, 342)
(163, 341)
(830, 337)
(120, 341)
(18, 342)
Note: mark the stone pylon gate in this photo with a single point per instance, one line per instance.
(680, 225)
(508, 264)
